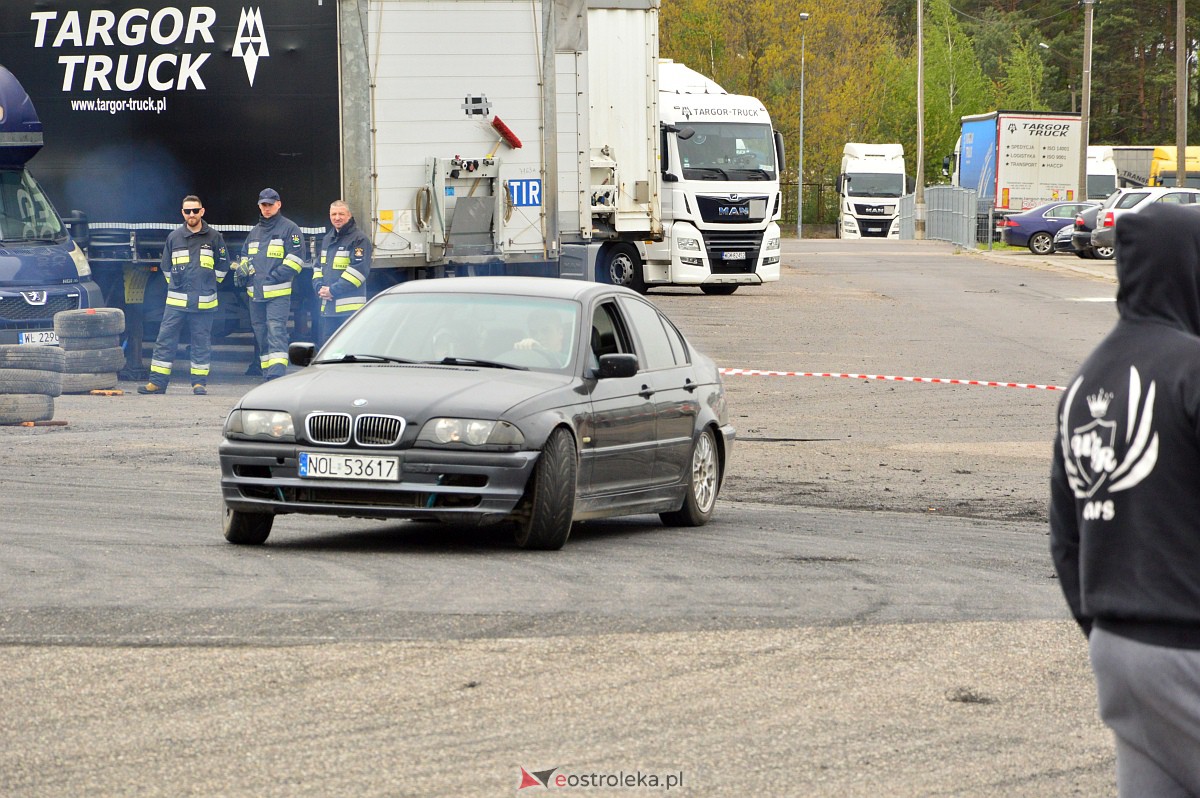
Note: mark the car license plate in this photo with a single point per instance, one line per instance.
(38, 338)
(733, 256)
(316, 465)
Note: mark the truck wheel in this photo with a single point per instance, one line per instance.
(622, 266)
(247, 529)
(14, 381)
(1041, 244)
(718, 290)
(89, 322)
(16, 408)
(24, 356)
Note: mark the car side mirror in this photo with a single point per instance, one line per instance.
(618, 365)
(301, 353)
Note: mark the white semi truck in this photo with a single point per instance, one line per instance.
(869, 186)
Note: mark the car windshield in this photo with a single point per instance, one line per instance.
(461, 329)
(25, 213)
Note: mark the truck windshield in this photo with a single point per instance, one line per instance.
(728, 151)
(25, 213)
(874, 184)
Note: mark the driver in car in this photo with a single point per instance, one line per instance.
(546, 333)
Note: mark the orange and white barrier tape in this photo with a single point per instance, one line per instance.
(887, 378)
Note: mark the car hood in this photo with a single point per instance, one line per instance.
(415, 392)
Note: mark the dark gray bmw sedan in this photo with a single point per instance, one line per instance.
(534, 402)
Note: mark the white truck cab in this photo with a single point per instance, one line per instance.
(869, 186)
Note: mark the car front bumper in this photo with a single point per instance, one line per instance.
(474, 486)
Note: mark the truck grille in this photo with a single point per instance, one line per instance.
(369, 429)
(717, 244)
(15, 309)
(725, 210)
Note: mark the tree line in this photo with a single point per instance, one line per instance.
(860, 67)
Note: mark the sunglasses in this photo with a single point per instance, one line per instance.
(190, 211)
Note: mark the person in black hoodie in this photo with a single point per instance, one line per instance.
(1125, 505)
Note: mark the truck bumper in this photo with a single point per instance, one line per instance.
(687, 256)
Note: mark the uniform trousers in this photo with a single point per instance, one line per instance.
(269, 319)
(200, 324)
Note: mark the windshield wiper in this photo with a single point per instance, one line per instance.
(755, 174)
(471, 361)
(716, 172)
(26, 240)
(365, 359)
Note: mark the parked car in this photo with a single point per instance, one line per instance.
(524, 400)
(1133, 201)
(1081, 235)
(1035, 228)
(1062, 239)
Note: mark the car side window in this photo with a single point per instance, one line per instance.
(1176, 199)
(657, 352)
(609, 336)
(1131, 199)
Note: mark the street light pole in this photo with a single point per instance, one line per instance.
(800, 150)
(1180, 93)
(1070, 85)
(1085, 112)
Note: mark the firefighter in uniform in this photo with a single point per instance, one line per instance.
(194, 261)
(340, 274)
(271, 258)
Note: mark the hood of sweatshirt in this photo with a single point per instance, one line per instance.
(1158, 266)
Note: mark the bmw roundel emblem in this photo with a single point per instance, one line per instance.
(360, 402)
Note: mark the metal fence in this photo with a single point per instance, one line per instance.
(952, 213)
(820, 204)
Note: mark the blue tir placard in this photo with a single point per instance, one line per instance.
(525, 192)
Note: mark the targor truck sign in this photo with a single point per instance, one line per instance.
(144, 102)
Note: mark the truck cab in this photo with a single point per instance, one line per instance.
(869, 186)
(42, 269)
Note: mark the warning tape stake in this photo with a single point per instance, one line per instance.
(887, 378)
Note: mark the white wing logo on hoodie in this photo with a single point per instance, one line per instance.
(1088, 452)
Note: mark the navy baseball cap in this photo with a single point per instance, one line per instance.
(268, 195)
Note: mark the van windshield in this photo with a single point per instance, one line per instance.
(25, 213)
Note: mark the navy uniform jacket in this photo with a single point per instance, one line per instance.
(343, 263)
(275, 247)
(194, 263)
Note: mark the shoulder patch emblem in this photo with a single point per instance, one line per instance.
(358, 252)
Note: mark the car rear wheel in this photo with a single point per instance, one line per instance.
(1041, 244)
(546, 512)
(247, 529)
(1104, 253)
(704, 481)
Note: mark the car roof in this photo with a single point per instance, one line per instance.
(550, 287)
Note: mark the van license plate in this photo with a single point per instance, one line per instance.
(315, 465)
(38, 338)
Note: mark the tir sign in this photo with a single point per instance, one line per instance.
(525, 193)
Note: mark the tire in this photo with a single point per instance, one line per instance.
(16, 408)
(547, 510)
(1087, 254)
(30, 381)
(40, 358)
(88, 381)
(89, 323)
(1041, 244)
(247, 529)
(623, 266)
(1104, 253)
(704, 482)
(70, 344)
(86, 361)
(718, 290)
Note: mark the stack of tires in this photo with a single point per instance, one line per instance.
(91, 341)
(30, 378)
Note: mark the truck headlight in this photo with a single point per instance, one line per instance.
(470, 431)
(275, 425)
(772, 243)
(689, 244)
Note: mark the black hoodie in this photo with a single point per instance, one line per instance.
(1125, 483)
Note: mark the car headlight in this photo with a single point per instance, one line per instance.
(690, 244)
(273, 425)
(470, 431)
(772, 243)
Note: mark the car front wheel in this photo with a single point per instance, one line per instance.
(247, 529)
(546, 512)
(1041, 244)
(704, 481)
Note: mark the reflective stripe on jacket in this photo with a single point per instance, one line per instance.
(343, 265)
(275, 247)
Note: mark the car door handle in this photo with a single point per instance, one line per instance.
(646, 392)
(689, 386)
